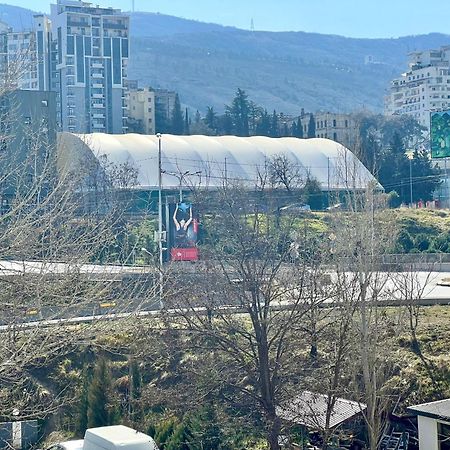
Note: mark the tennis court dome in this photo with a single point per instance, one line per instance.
(215, 158)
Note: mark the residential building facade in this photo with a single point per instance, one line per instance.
(424, 88)
(141, 111)
(92, 45)
(25, 56)
(342, 128)
(27, 137)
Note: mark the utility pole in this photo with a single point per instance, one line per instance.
(160, 231)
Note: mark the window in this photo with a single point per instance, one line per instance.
(27, 120)
(346, 123)
(334, 123)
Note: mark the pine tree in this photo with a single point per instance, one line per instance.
(99, 396)
(177, 118)
(186, 122)
(311, 127)
(239, 112)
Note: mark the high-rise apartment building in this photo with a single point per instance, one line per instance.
(424, 88)
(92, 46)
(25, 56)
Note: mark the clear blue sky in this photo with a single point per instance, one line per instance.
(355, 18)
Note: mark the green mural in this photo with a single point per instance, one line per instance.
(440, 134)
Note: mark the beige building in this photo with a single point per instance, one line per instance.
(341, 128)
(424, 88)
(141, 111)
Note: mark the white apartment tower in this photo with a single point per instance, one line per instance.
(25, 56)
(92, 47)
(424, 88)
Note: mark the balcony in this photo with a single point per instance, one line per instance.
(114, 26)
(98, 96)
(97, 85)
(98, 116)
(77, 23)
(97, 75)
(97, 65)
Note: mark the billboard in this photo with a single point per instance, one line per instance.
(183, 232)
(440, 134)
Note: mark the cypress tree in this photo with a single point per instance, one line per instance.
(299, 128)
(177, 118)
(82, 415)
(98, 396)
(186, 122)
(274, 125)
(311, 127)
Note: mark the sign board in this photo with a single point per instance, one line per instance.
(182, 232)
(440, 134)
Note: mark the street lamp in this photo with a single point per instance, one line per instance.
(160, 230)
(181, 176)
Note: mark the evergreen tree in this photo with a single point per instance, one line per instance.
(263, 126)
(198, 117)
(99, 397)
(211, 118)
(299, 128)
(186, 122)
(180, 438)
(425, 176)
(239, 112)
(274, 131)
(83, 406)
(294, 131)
(164, 431)
(227, 124)
(311, 127)
(177, 118)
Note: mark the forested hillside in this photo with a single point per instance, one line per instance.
(286, 71)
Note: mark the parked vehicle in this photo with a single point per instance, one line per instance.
(115, 437)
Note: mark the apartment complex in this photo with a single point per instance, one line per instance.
(141, 111)
(23, 153)
(342, 128)
(424, 88)
(25, 56)
(91, 66)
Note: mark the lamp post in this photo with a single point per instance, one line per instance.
(181, 176)
(160, 231)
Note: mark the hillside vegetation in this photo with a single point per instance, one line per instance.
(285, 71)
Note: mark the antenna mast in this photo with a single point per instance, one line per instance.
(132, 5)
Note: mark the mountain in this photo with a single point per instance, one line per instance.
(16, 17)
(282, 71)
(286, 71)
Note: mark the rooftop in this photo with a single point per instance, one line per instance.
(434, 410)
(310, 409)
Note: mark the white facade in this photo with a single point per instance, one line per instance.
(92, 54)
(424, 88)
(141, 109)
(25, 56)
(218, 159)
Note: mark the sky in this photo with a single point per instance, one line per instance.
(352, 18)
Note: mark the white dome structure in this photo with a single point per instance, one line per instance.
(209, 160)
